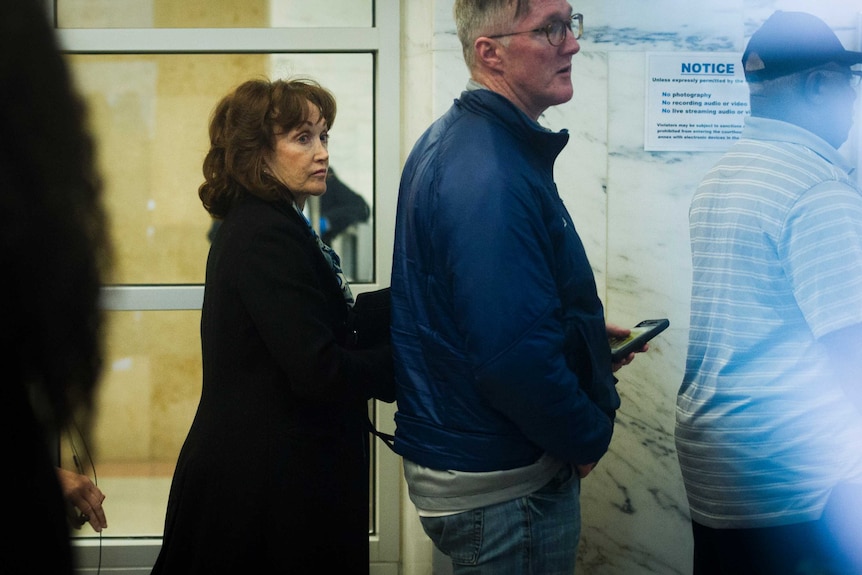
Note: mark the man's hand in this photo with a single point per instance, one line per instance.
(584, 470)
(617, 331)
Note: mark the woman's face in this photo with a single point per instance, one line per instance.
(300, 159)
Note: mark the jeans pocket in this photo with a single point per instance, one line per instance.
(459, 536)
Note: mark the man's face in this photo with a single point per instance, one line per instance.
(537, 74)
(841, 100)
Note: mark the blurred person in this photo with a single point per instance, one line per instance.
(505, 387)
(340, 208)
(273, 476)
(55, 253)
(769, 415)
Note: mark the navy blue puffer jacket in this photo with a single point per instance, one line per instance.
(498, 332)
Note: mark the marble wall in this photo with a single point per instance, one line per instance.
(630, 207)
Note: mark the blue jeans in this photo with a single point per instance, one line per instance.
(533, 535)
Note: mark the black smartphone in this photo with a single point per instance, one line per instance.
(640, 334)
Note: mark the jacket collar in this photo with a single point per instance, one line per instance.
(479, 100)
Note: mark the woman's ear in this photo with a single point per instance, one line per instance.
(266, 162)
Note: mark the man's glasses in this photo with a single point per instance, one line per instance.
(853, 76)
(555, 32)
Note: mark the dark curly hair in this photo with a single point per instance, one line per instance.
(54, 246)
(242, 131)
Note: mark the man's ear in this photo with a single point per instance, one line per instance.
(818, 85)
(488, 53)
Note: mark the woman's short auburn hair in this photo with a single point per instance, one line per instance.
(242, 130)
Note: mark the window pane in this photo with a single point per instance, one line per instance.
(213, 13)
(150, 115)
(146, 402)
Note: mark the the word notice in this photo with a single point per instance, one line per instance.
(694, 101)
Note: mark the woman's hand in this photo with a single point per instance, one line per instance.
(83, 496)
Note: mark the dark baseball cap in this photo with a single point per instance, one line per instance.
(790, 42)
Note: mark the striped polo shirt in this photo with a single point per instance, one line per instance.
(763, 429)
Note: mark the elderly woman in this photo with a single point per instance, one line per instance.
(273, 476)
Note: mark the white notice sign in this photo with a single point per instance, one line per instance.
(695, 101)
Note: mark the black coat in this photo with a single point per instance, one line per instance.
(39, 542)
(273, 476)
